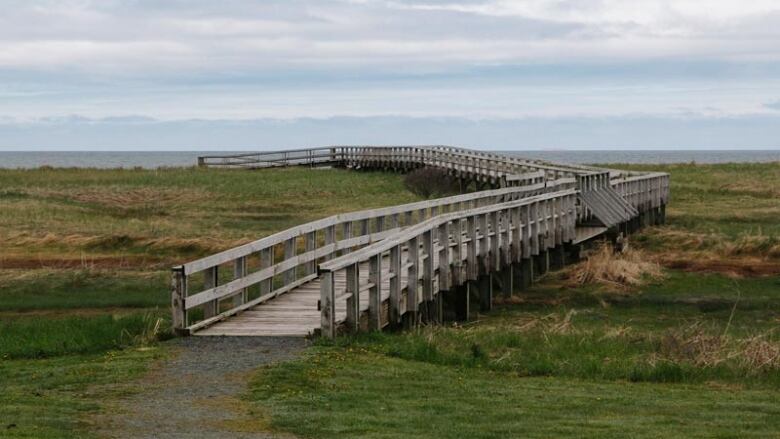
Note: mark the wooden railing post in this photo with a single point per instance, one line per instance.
(178, 297)
(211, 280)
(428, 266)
(395, 284)
(290, 249)
(327, 305)
(353, 300)
(375, 293)
(239, 271)
(266, 260)
(412, 295)
(444, 257)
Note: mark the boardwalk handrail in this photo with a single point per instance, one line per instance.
(265, 268)
(494, 235)
(322, 239)
(483, 163)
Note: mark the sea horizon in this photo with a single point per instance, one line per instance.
(156, 159)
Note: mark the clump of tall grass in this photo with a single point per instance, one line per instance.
(697, 346)
(617, 270)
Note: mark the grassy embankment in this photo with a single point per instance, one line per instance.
(84, 258)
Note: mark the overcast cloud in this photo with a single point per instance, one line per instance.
(159, 64)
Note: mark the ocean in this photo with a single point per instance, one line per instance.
(145, 159)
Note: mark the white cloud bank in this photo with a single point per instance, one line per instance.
(473, 60)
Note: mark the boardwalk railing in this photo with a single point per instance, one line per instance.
(440, 253)
(503, 169)
(538, 206)
(210, 289)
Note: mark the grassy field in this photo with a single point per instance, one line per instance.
(84, 259)
(84, 256)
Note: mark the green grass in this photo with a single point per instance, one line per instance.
(49, 336)
(84, 259)
(50, 398)
(662, 361)
(84, 255)
(168, 214)
(27, 290)
(727, 210)
(353, 394)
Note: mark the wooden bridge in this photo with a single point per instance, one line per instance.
(415, 263)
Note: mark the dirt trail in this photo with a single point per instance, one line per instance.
(196, 393)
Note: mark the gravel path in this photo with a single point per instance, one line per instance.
(196, 393)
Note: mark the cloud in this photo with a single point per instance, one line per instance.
(115, 36)
(468, 59)
(773, 105)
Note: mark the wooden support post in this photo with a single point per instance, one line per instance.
(375, 293)
(327, 305)
(353, 301)
(506, 281)
(178, 299)
(461, 302)
(211, 280)
(542, 262)
(557, 258)
(527, 274)
(485, 292)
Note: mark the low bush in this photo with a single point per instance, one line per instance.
(431, 182)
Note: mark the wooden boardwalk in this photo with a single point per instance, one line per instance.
(405, 264)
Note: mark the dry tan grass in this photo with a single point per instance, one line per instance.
(619, 271)
(553, 323)
(108, 242)
(120, 197)
(695, 345)
(754, 244)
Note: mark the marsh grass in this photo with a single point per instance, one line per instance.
(58, 289)
(617, 270)
(723, 210)
(50, 336)
(177, 211)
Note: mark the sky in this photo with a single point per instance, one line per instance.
(489, 74)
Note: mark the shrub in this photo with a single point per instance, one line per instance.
(431, 182)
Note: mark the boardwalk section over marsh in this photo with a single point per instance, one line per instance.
(413, 263)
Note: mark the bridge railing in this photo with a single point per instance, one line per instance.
(644, 192)
(486, 165)
(439, 253)
(215, 287)
(268, 159)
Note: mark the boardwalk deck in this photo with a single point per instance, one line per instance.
(309, 277)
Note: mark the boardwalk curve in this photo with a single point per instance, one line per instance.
(414, 263)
